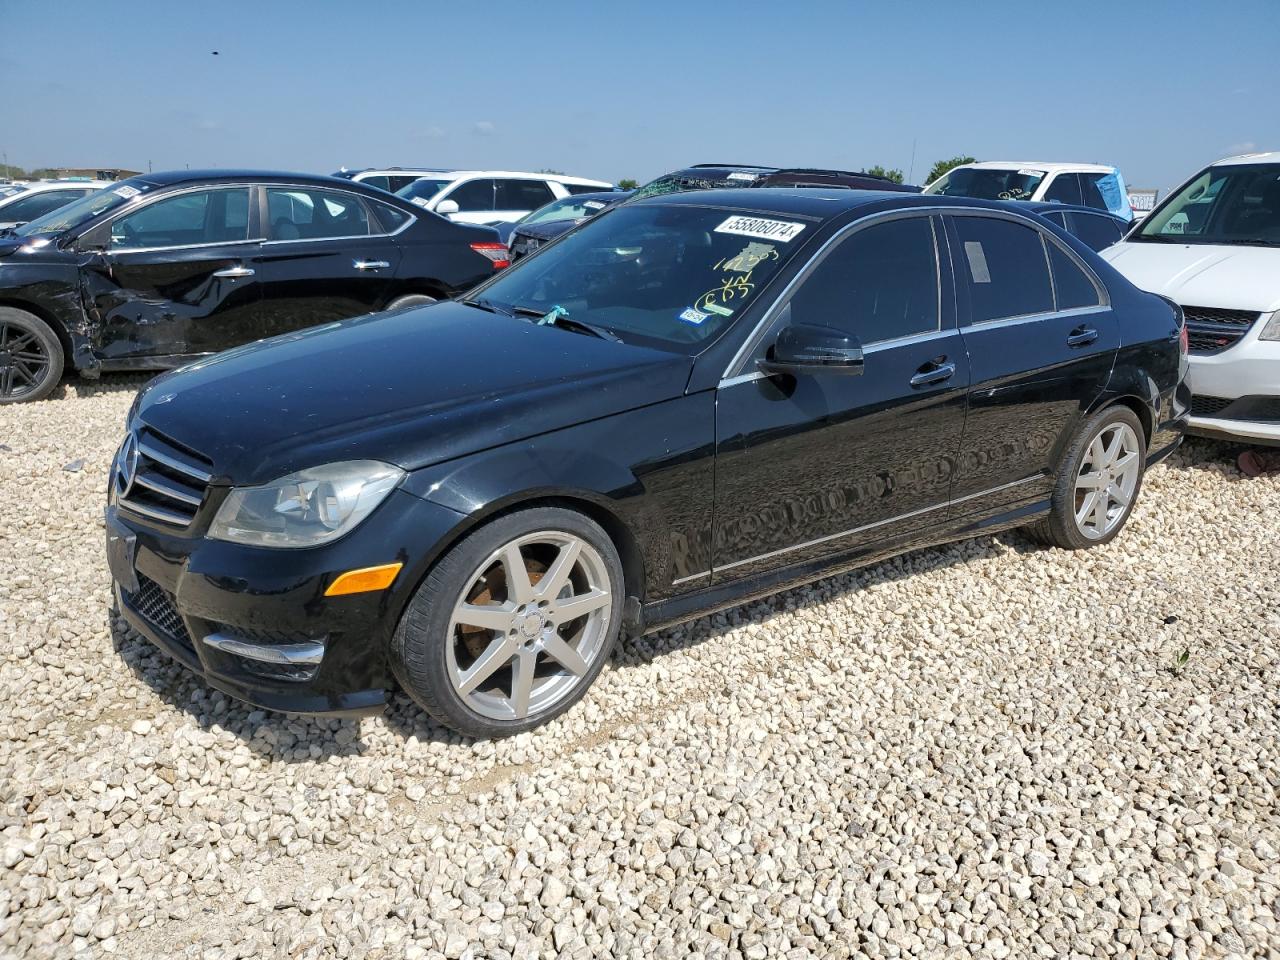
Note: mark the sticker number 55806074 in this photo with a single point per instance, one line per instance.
(761, 228)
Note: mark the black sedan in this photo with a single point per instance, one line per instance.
(158, 270)
(1098, 229)
(558, 217)
(687, 402)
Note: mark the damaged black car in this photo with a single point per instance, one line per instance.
(162, 269)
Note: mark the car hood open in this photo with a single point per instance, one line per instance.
(1202, 275)
(411, 388)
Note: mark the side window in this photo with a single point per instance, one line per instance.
(1072, 286)
(1064, 189)
(577, 188)
(475, 196)
(1097, 232)
(381, 182)
(201, 216)
(1057, 219)
(879, 284)
(1004, 267)
(1091, 195)
(523, 194)
(391, 218)
(399, 182)
(37, 205)
(298, 213)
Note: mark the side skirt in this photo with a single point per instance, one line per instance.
(666, 613)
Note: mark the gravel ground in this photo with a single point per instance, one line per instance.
(983, 750)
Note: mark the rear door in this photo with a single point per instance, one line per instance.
(327, 257)
(178, 277)
(1041, 340)
(514, 199)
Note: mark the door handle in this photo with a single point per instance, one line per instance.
(234, 272)
(933, 372)
(1082, 337)
(369, 264)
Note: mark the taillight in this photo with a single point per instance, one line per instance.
(496, 252)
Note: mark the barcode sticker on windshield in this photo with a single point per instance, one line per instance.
(594, 205)
(741, 175)
(420, 201)
(762, 229)
(126, 191)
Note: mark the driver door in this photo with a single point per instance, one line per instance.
(811, 464)
(177, 278)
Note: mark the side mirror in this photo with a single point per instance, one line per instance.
(447, 207)
(95, 240)
(810, 348)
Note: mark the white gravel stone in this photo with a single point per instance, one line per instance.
(976, 750)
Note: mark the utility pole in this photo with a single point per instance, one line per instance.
(911, 171)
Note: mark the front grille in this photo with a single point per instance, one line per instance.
(1260, 409)
(155, 604)
(1208, 406)
(160, 479)
(1210, 330)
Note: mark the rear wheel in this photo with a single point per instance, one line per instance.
(1099, 482)
(31, 357)
(513, 624)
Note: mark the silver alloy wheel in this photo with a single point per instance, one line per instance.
(529, 625)
(1107, 480)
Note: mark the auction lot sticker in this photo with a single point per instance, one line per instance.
(761, 229)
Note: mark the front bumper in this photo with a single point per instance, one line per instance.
(255, 623)
(1249, 368)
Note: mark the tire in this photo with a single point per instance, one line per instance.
(1075, 522)
(466, 674)
(410, 300)
(31, 357)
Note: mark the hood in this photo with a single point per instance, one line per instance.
(1202, 275)
(411, 388)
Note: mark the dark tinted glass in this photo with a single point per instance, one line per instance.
(381, 182)
(390, 217)
(202, 216)
(1065, 188)
(879, 284)
(1004, 266)
(474, 197)
(1091, 196)
(522, 194)
(300, 214)
(1074, 289)
(399, 182)
(1057, 218)
(38, 204)
(576, 188)
(1097, 232)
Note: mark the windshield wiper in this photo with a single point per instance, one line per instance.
(559, 317)
(489, 305)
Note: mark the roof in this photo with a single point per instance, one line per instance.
(39, 185)
(165, 178)
(519, 174)
(1047, 167)
(817, 203)
(1052, 206)
(1273, 157)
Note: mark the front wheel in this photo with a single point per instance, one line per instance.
(1099, 482)
(513, 624)
(31, 357)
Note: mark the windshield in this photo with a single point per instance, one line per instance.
(1227, 204)
(568, 208)
(84, 209)
(421, 191)
(665, 276)
(985, 183)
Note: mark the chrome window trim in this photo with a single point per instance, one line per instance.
(1030, 318)
(739, 359)
(148, 201)
(351, 193)
(878, 523)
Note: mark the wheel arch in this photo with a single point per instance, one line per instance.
(55, 323)
(427, 286)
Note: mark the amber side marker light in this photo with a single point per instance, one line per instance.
(364, 580)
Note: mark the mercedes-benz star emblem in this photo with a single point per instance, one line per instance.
(128, 464)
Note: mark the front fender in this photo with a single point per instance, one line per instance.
(646, 473)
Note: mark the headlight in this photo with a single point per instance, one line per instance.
(307, 508)
(1272, 330)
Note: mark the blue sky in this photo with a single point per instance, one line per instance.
(632, 90)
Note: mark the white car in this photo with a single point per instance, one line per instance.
(1214, 247)
(21, 203)
(1084, 184)
(493, 196)
(390, 179)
